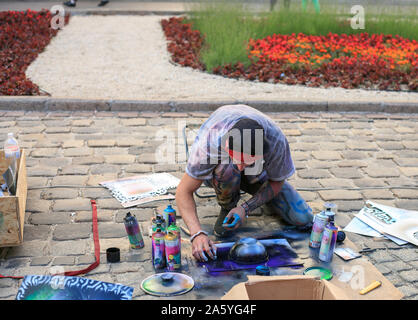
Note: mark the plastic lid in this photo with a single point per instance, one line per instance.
(113, 254)
(322, 273)
(262, 270)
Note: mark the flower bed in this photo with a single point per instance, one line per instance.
(23, 35)
(361, 60)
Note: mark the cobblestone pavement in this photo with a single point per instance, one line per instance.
(81, 149)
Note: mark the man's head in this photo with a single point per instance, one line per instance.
(245, 143)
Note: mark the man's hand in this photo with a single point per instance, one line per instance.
(238, 215)
(203, 247)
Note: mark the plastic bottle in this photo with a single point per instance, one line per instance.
(11, 152)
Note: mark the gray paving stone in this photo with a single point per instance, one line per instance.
(407, 254)
(112, 230)
(69, 180)
(78, 152)
(68, 248)
(410, 275)
(75, 170)
(86, 259)
(40, 261)
(63, 261)
(68, 205)
(104, 168)
(42, 172)
(354, 155)
(409, 291)
(407, 204)
(347, 173)
(50, 218)
(397, 266)
(72, 231)
(331, 195)
(60, 193)
(381, 256)
(86, 216)
(30, 249)
(313, 173)
(379, 172)
(36, 205)
(33, 232)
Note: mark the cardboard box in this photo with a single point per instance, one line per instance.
(13, 208)
(297, 287)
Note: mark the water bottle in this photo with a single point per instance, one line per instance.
(11, 152)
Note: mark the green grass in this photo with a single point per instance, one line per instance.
(228, 27)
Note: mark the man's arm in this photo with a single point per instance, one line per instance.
(202, 246)
(186, 204)
(267, 192)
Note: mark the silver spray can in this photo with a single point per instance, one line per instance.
(320, 221)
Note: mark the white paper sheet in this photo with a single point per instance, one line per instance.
(396, 224)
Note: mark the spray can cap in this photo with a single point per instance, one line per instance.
(128, 216)
(330, 214)
(331, 206)
(169, 208)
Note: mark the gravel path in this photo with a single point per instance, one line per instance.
(125, 57)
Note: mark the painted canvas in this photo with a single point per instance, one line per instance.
(43, 287)
(279, 251)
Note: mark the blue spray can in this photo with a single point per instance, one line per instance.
(133, 231)
(169, 215)
(329, 238)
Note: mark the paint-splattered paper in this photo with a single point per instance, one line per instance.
(43, 287)
(280, 254)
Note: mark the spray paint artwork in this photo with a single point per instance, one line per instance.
(70, 288)
(279, 251)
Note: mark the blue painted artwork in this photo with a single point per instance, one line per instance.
(43, 287)
(279, 251)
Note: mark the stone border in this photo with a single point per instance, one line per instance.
(111, 12)
(37, 103)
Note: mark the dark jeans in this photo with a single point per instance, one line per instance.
(228, 181)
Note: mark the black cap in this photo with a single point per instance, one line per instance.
(340, 236)
(113, 254)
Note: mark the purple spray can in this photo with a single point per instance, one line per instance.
(158, 248)
(133, 231)
(329, 238)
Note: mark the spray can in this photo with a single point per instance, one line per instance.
(133, 231)
(169, 215)
(158, 248)
(158, 220)
(318, 227)
(172, 251)
(329, 238)
(330, 210)
(174, 229)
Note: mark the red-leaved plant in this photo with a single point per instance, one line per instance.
(383, 62)
(23, 35)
